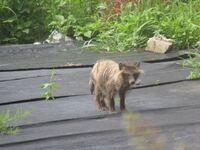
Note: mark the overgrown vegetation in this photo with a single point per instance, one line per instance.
(49, 87)
(107, 25)
(23, 21)
(8, 119)
(195, 64)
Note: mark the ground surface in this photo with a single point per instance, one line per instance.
(164, 98)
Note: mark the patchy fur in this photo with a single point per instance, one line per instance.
(107, 78)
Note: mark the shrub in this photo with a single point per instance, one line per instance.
(135, 23)
(195, 64)
(109, 25)
(8, 120)
(23, 21)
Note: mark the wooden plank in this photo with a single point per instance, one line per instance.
(71, 122)
(178, 98)
(109, 141)
(175, 108)
(18, 75)
(91, 133)
(25, 85)
(19, 57)
(66, 128)
(74, 82)
(103, 140)
(181, 124)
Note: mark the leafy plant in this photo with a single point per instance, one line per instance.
(195, 63)
(22, 21)
(49, 87)
(8, 119)
(132, 25)
(111, 25)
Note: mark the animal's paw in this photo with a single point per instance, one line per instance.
(124, 110)
(104, 108)
(138, 82)
(112, 110)
(98, 108)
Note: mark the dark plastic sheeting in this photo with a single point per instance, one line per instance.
(25, 85)
(164, 99)
(67, 54)
(175, 108)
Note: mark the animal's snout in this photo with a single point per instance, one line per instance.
(132, 82)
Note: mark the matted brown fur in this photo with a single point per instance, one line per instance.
(107, 78)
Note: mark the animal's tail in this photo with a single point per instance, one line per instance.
(91, 84)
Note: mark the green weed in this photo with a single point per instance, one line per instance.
(8, 119)
(135, 24)
(195, 64)
(24, 21)
(94, 22)
(49, 87)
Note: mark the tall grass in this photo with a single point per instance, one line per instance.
(8, 120)
(131, 28)
(194, 63)
(110, 27)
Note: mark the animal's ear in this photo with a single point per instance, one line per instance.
(121, 66)
(137, 64)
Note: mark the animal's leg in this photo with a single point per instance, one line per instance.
(103, 104)
(111, 103)
(91, 85)
(122, 101)
(98, 99)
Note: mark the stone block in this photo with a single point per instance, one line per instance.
(158, 44)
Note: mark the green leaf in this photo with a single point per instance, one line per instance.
(46, 95)
(60, 18)
(8, 119)
(28, 24)
(19, 27)
(10, 20)
(102, 6)
(26, 31)
(88, 34)
(55, 85)
(45, 85)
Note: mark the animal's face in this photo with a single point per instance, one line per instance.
(130, 73)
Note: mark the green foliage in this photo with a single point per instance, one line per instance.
(130, 31)
(8, 119)
(195, 63)
(24, 21)
(49, 87)
(90, 31)
(135, 24)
